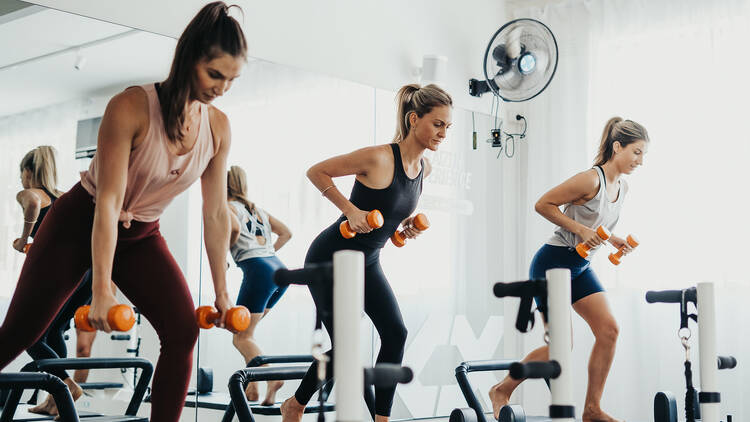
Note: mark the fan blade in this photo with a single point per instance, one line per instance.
(513, 45)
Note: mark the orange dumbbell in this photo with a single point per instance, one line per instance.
(420, 222)
(26, 247)
(583, 249)
(120, 318)
(374, 219)
(238, 318)
(615, 257)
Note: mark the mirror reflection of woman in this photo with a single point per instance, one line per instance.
(39, 181)
(155, 141)
(254, 253)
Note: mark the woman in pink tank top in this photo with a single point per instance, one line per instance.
(154, 142)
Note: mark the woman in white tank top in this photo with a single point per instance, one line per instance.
(591, 198)
(254, 253)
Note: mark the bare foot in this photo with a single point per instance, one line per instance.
(251, 391)
(499, 398)
(595, 414)
(292, 410)
(49, 407)
(273, 387)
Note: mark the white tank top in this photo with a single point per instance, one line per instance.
(247, 245)
(598, 211)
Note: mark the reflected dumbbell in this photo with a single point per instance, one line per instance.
(617, 256)
(374, 220)
(237, 319)
(119, 317)
(583, 249)
(420, 222)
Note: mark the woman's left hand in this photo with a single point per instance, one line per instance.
(410, 232)
(620, 243)
(18, 244)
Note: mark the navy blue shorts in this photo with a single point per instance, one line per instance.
(258, 291)
(583, 280)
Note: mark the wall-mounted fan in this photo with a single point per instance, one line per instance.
(519, 63)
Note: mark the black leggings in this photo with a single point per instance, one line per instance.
(52, 343)
(380, 305)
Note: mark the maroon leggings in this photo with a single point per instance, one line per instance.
(143, 269)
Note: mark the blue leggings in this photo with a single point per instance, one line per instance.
(258, 291)
(583, 280)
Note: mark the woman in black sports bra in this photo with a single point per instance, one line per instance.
(39, 180)
(388, 179)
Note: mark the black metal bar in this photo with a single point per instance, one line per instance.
(726, 362)
(486, 365)
(265, 360)
(672, 296)
(147, 370)
(312, 273)
(388, 375)
(47, 382)
(548, 369)
(471, 398)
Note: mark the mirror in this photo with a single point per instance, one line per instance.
(283, 121)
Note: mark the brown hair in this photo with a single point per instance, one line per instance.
(40, 162)
(415, 99)
(618, 130)
(237, 187)
(211, 33)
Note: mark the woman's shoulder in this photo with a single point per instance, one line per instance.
(31, 196)
(219, 123)
(131, 103)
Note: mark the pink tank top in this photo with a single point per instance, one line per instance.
(156, 175)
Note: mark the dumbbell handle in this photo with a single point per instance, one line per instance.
(583, 249)
(374, 220)
(119, 317)
(420, 222)
(615, 257)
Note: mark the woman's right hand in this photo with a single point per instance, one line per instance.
(590, 237)
(18, 244)
(101, 303)
(358, 220)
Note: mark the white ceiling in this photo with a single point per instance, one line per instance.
(33, 35)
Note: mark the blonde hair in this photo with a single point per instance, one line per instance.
(40, 162)
(618, 130)
(417, 99)
(237, 187)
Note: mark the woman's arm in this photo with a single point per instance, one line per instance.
(31, 205)
(215, 214)
(124, 119)
(281, 230)
(576, 190)
(361, 162)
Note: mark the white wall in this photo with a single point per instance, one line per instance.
(374, 43)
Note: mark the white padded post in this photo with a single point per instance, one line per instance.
(348, 302)
(558, 301)
(707, 349)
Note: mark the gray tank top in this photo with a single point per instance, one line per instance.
(247, 245)
(598, 211)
